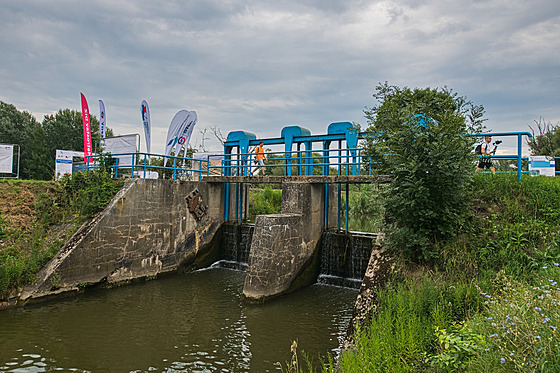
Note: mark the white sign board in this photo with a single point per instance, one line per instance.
(120, 145)
(146, 174)
(64, 160)
(6, 159)
(542, 165)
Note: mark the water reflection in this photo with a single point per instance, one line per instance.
(195, 322)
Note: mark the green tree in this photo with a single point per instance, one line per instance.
(19, 127)
(417, 137)
(64, 131)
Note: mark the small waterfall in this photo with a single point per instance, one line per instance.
(345, 257)
(236, 243)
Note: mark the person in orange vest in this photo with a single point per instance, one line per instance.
(260, 157)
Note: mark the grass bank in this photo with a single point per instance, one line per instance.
(38, 217)
(489, 303)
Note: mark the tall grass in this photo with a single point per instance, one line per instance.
(403, 328)
(512, 225)
(263, 201)
(521, 322)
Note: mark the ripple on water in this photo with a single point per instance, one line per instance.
(196, 322)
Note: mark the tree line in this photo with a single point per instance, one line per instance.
(39, 141)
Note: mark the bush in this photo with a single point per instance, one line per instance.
(417, 137)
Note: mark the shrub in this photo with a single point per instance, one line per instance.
(417, 137)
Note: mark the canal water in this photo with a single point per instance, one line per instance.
(194, 322)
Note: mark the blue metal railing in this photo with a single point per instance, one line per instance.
(345, 161)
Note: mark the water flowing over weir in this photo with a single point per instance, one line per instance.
(344, 256)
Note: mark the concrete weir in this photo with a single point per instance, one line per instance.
(150, 227)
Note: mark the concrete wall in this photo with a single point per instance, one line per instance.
(151, 227)
(284, 248)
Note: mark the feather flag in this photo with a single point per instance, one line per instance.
(86, 128)
(147, 125)
(185, 135)
(182, 120)
(102, 126)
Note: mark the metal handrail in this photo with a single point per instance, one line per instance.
(345, 161)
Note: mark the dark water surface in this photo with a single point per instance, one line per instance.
(194, 322)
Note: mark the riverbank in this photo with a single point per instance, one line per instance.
(38, 217)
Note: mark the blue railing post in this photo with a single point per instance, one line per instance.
(519, 149)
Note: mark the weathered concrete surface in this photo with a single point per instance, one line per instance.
(150, 227)
(380, 268)
(284, 248)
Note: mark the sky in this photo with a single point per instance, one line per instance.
(259, 66)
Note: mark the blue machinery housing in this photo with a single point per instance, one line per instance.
(338, 153)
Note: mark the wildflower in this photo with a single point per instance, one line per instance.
(486, 349)
(293, 347)
(490, 318)
(538, 336)
(552, 327)
(493, 335)
(502, 360)
(545, 267)
(547, 319)
(511, 354)
(556, 264)
(538, 308)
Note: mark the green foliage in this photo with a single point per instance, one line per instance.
(403, 328)
(512, 226)
(19, 128)
(417, 137)
(87, 193)
(366, 207)
(264, 201)
(3, 228)
(61, 208)
(455, 347)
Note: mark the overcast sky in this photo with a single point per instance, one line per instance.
(261, 65)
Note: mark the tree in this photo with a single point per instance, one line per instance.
(64, 131)
(547, 142)
(418, 137)
(19, 127)
(38, 141)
